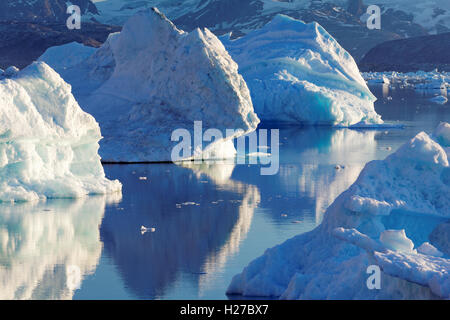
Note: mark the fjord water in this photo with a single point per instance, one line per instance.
(210, 219)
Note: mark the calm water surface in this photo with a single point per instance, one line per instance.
(211, 219)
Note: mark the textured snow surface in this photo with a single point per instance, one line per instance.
(396, 205)
(297, 72)
(151, 79)
(48, 145)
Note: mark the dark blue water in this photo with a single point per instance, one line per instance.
(210, 219)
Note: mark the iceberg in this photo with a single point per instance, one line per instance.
(48, 145)
(396, 205)
(67, 55)
(151, 79)
(297, 72)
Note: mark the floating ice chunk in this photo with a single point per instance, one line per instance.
(397, 240)
(297, 72)
(145, 230)
(48, 145)
(430, 250)
(439, 99)
(411, 184)
(151, 79)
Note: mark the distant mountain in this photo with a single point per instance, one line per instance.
(342, 18)
(21, 43)
(433, 15)
(29, 27)
(413, 54)
(42, 11)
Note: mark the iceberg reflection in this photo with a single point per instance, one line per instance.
(316, 165)
(47, 248)
(200, 217)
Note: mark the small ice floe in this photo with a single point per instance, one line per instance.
(429, 250)
(145, 230)
(143, 178)
(190, 203)
(439, 99)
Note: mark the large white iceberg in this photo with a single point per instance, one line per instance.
(48, 145)
(298, 72)
(396, 205)
(152, 78)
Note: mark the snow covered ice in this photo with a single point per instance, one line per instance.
(395, 216)
(48, 145)
(152, 78)
(297, 72)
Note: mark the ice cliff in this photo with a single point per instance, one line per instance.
(48, 145)
(297, 72)
(395, 216)
(152, 78)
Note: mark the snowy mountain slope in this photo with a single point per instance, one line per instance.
(151, 79)
(29, 27)
(298, 72)
(117, 12)
(395, 209)
(342, 18)
(48, 145)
